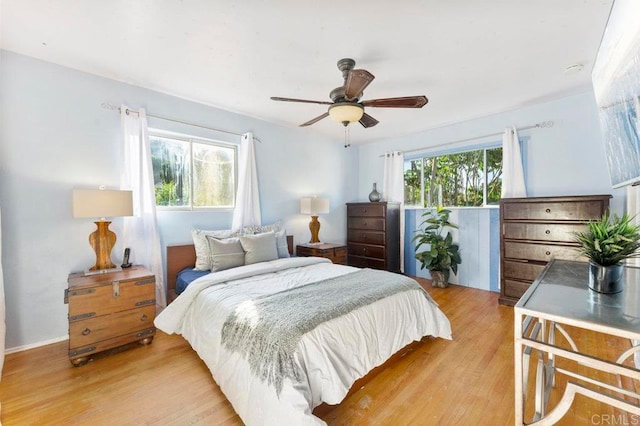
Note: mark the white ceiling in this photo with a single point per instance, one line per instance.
(471, 58)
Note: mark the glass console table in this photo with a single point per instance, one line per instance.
(560, 297)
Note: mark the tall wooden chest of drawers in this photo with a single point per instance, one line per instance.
(534, 230)
(373, 235)
(109, 310)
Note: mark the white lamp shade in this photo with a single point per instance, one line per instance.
(346, 112)
(314, 205)
(101, 203)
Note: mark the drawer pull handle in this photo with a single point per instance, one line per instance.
(364, 224)
(548, 253)
(116, 289)
(143, 317)
(548, 210)
(547, 232)
(86, 332)
(364, 250)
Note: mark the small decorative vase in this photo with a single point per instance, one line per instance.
(438, 279)
(605, 279)
(374, 196)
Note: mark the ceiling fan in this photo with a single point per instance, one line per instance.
(346, 107)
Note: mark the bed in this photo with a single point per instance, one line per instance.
(325, 358)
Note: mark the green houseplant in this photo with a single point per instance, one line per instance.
(442, 256)
(606, 243)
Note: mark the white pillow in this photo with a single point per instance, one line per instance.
(281, 244)
(203, 254)
(225, 253)
(261, 229)
(259, 248)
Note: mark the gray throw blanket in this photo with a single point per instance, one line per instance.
(267, 330)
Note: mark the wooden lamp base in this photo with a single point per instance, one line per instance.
(102, 241)
(314, 227)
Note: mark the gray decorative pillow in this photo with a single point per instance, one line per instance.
(261, 229)
(203, 255)
(281, 244)
(225, 254)
(259, 248)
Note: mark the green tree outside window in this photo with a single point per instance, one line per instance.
(455, 180)
(189, 173)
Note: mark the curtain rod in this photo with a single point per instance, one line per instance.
(541, 125)
(114, 107)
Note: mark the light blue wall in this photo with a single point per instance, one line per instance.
(56, 136)
(566, 159)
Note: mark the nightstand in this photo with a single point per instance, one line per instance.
(109, 310)
(337, 253)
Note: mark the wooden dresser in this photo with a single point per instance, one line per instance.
(373, 235)
(109, 310)
(337, 253)
(534, 230)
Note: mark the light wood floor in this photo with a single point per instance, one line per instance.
(466, 381)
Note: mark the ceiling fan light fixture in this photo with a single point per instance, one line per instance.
(346, 112)
(346, 106)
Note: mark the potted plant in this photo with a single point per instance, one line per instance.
(442, 256)
(606, 243)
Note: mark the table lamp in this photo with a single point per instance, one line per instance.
(102, 203)
(314, 206)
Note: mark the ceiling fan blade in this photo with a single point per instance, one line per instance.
(275, 98)
(368, 121)
(357, 81)
(315, 120)
(405, 102)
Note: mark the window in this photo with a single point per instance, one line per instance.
(190, 173)
(471, 178)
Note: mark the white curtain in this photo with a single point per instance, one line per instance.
(3, 326)
(247, 211)
(141, 230)
(513, 185)
(393, 190)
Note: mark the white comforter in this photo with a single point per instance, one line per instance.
(333, 355)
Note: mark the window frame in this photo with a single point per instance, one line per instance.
(461, 150)
(190, 139)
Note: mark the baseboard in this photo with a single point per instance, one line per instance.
(35, 345)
